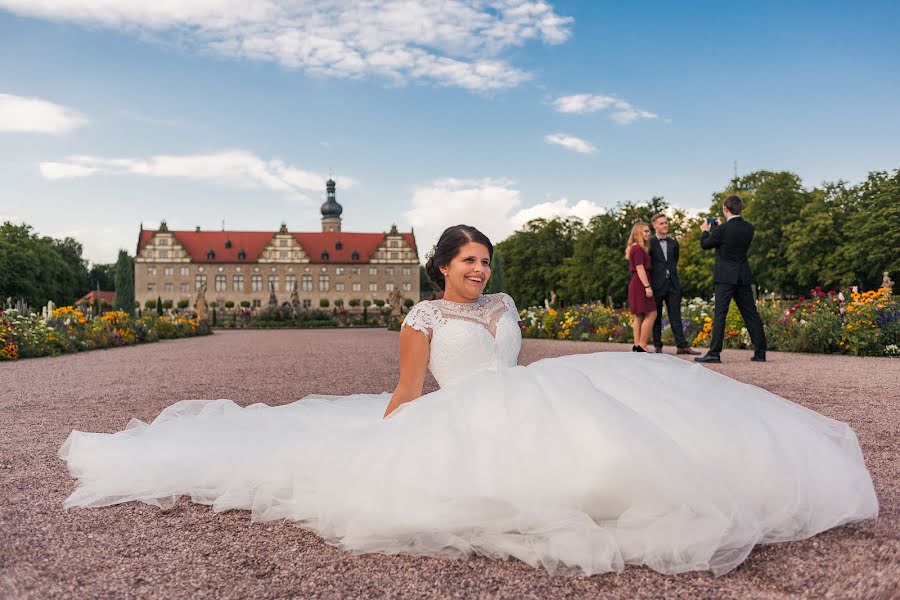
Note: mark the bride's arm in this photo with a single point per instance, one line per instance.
(414, 350)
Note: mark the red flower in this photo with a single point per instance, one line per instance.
(802, 298)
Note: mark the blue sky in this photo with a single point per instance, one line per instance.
(115, 113)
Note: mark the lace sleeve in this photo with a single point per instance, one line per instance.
(422, 317)
(511, 308)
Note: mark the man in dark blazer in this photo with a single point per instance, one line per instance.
(732, 278)
(665, 284)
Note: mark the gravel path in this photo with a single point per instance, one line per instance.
(138, 551)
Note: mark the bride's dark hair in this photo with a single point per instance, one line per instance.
(448, 247)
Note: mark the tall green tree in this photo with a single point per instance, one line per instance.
(124, 283)
(497, 282)
(103, 275)
(533, 258)
(870, 240)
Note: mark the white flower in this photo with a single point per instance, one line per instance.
(841, 296)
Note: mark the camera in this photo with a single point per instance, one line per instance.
(712, 221)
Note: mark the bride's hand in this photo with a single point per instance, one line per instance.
(649, 292)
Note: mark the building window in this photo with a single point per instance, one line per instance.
(273, 283)
(282, 254)
(257, 303)
(389, 271)
(220, 283)
(324, 283)
(338, 245)
(307, 303)
(407, 271)
(256, 283)
(242, 255)
(339, 287)
(283, 243)
(339, 270)
(325, 255)
(395, 255)
(211, 255)
(389, 287)
(185, 287)
(227, 244)
(306, 283)
(237, 283)
(407, 287)
(163, 241)
(373, 287)
(169, 287)
(354, 270)
(185, 271)
(199, 281)
(169, 271)
(151, 287)
(151, 271)
(290, 283)
(394, 243)
(373, 270)
(355, 255)
(164, 254)
(357, 287)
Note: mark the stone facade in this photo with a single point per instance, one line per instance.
(246, 266)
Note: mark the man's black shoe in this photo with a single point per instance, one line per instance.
(657, 349)
(708, 359)
(758, 359)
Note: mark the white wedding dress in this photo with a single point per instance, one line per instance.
(580, 463)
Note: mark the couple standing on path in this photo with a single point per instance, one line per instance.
(653, 260)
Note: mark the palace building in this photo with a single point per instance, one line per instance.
(250, 265)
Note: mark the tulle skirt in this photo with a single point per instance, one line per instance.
(579, 464)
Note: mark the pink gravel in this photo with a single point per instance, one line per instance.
(137, 551)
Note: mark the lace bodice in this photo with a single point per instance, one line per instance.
(466, 338)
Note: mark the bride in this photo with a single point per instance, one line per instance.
(580, 463)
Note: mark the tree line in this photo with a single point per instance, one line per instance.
(38, 269)
(828, 236)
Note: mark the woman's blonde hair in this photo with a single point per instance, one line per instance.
(637, 237)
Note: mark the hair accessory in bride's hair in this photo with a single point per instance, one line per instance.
(430, 254)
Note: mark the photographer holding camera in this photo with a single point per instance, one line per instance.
(732, 278)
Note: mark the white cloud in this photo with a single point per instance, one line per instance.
(570, 142)
(492, 205)
(34, 115)
(621, 111)
(446, 42)
(238, 168)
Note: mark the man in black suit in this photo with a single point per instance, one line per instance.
(732, 278)
(665, 284)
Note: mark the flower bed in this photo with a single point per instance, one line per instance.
(846, 322)
(67, 329)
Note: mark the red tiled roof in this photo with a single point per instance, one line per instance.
(199, 243)
(89, 297)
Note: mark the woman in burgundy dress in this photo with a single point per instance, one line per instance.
(640, 294)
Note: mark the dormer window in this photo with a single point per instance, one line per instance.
(242, 255)
(228, 243)
(338, 245)
(211, 255)
(325, 255)
(355, 255)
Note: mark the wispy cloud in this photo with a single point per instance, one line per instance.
(35, 115)
(570, 142)
(445, 42)
(238, 168)
(620, 111)
(492, 205)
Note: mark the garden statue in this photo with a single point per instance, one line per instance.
(273, 301)
(295, 302)
(887, 283)
(200, 305)
(395, 299)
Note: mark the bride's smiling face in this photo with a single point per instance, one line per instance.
(467, 274)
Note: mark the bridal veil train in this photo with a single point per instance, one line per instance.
(580, 463)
